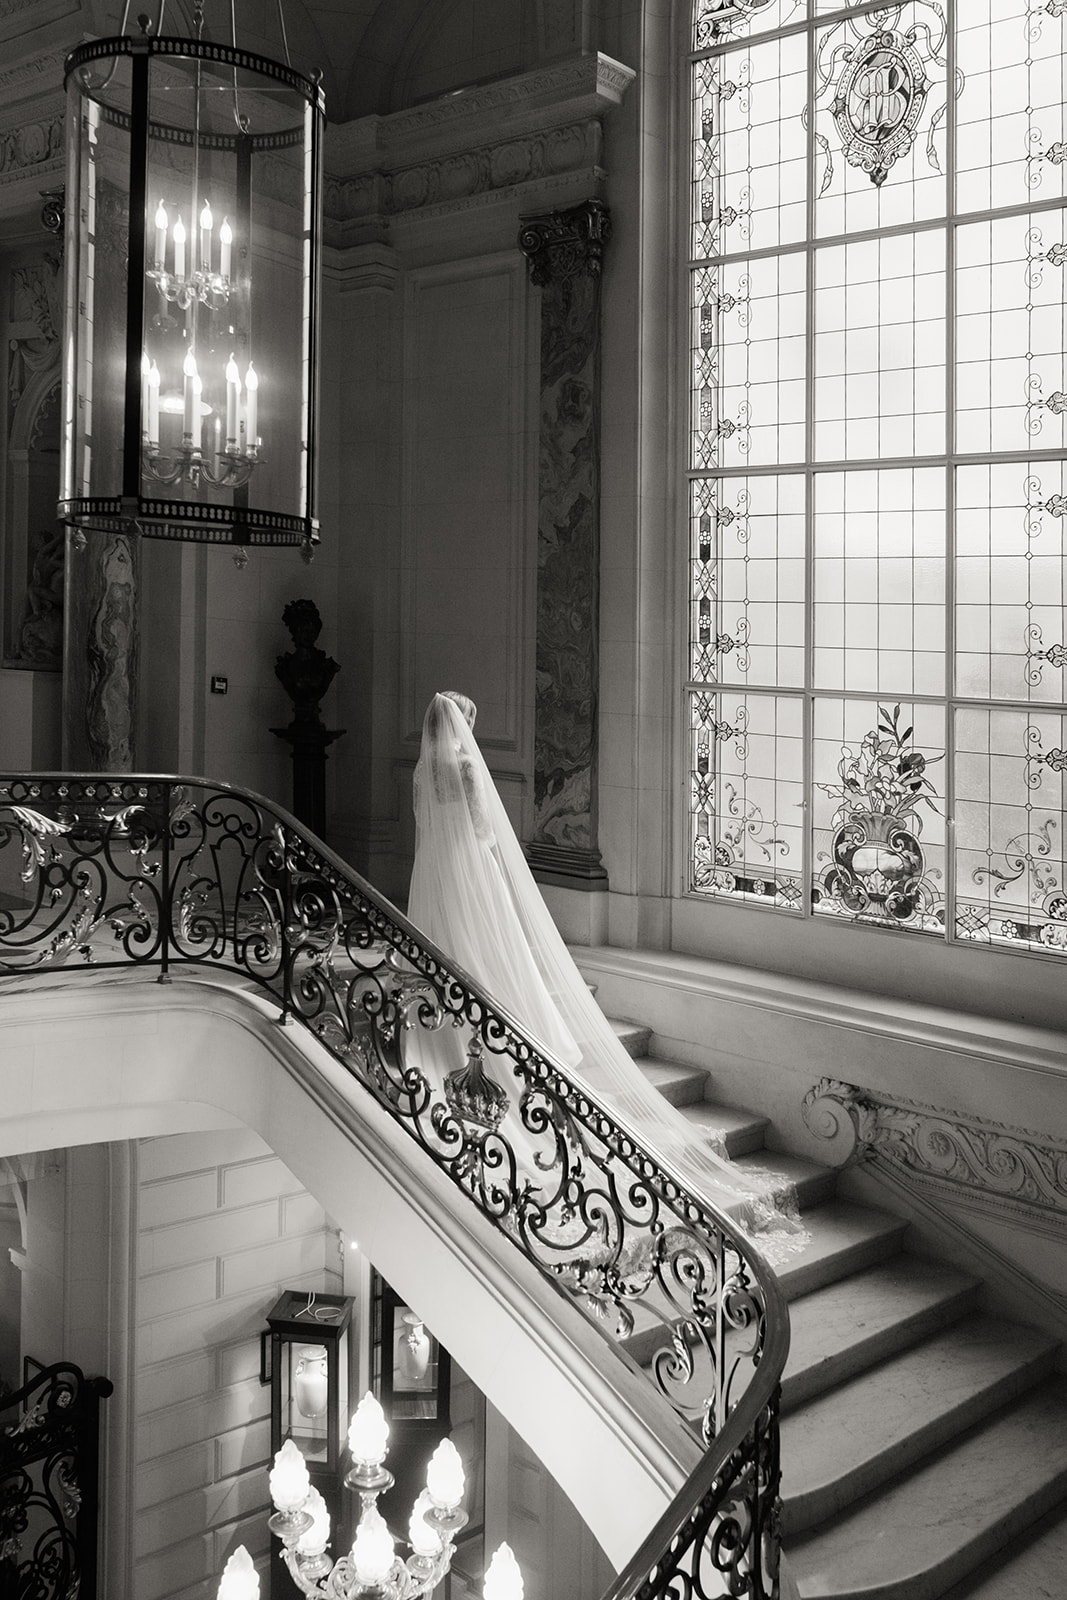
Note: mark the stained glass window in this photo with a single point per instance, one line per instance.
(877, 491)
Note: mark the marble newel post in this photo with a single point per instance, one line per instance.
(100, 651)
(564, 249)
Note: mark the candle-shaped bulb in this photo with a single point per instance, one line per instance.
(289, 1480)
(161, 234)
(146, 368)
(368, 1434)
(206, 225)
(425, 1539)
(153, 403)
(317, 1537)
(225, 248)
(444, 1476)
(251, 407)
(503, 1579)
(190, 413)
(240, 1580)
(233, 396)
(372, 1550)
(179, 247)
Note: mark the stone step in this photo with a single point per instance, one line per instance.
(813, 1184)
(848, 1326)
(844, 1238)
(940, 1521)
(1034, 1569)
(843, 1444)
(681, 1085)
(632, 1036)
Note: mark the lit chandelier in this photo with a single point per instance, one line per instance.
(371, 1570)
(193, 206)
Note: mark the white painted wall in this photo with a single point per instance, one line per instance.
(221, 1227)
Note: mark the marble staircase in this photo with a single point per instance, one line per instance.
(924, 1441)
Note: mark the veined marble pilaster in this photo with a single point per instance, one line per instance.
(564, 250)
(101, 652)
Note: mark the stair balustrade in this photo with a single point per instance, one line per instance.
(49, 1485)
(169, 873)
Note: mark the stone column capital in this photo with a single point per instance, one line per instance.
(563, 244)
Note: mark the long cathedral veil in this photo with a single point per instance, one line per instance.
(473, 893)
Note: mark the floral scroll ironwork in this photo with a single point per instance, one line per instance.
(166, 874)
(49, 1446)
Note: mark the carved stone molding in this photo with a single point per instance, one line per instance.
(451, 179)
(565, 92)
(981, 1163)
(537, 130)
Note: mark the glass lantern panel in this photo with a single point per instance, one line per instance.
(190, 380)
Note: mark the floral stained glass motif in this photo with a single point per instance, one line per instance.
(871, 814)
(878, 465)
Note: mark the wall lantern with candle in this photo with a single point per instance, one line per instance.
(192, 266)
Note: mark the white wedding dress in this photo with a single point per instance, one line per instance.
(473, 894)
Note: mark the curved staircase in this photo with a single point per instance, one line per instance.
(924, 1441)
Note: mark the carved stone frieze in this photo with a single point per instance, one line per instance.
(31, 144)
(461, 175)
(984, 1163)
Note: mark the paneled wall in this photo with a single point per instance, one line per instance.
(222, 1226)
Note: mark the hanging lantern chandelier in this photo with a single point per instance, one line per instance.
(192, 266)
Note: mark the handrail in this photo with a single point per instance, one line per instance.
(160, 871)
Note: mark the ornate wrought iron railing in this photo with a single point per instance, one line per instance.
(167, 872)
(49, 1485)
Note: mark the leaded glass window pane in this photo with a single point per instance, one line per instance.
(877, 482)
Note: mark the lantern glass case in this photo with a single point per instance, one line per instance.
(192, 226)
(305, 1359)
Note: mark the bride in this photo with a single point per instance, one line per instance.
(474, 895)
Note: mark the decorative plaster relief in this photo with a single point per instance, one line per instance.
(461, 175)
(30, 144)
(35, 317)
(983, 1163)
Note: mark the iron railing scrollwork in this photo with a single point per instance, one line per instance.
(49, 1492)
(165, 872)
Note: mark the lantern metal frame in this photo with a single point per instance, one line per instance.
(302, 1319)
(229, 474)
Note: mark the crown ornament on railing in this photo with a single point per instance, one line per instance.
(160, 872)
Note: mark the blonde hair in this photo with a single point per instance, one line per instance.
(467, 708)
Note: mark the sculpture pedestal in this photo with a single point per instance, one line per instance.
(309, 741)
